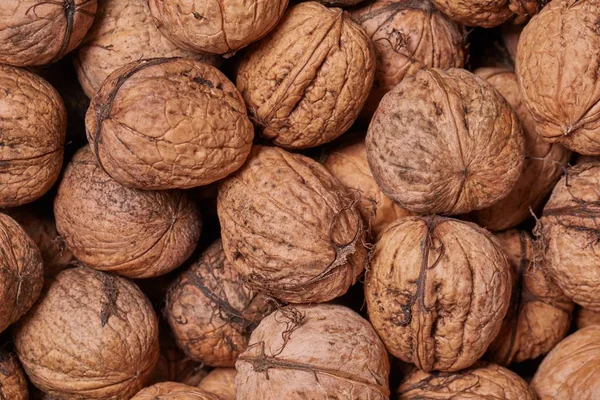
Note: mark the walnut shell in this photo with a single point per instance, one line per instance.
(211, 312)
(587, 317)
(487, 13)
(312, 353)
(482, 381)
(220, 381)
(90, 336)
(544, 162)
(510, 38)
(173, 391)
(36, 32)
(436, 291)
(168, 123)
(33, 122)
(539, 315)
(408, 35)
(307, 81)
(130, 232)
(572, 369)
(445, 142)
(13, 385)
(557, 70)
(291, 229)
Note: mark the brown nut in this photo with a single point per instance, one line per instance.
(557, 70)
(211, 312)
(220, 381)
(572, 369)
(437, 291)
(168, 123)
(13, 385)
(290, 228)
(313, 352)
(33, 122)
(174, 391)
(587, 317)
(445, 143)
(408, 35)
(130, 232)
(482, 381)
(544, 162)
(487, 13)
(306, 82)
(90, 336)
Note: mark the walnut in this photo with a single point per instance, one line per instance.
(510, 38)
(220, 381)
(587, 317)
(487, 13)
(13, 385)
(174, 391)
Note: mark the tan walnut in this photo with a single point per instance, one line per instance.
(487, 13)
(220, 381)
(13, 385)
(174, 391)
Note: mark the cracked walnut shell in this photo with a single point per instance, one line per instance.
(487, 13)
(174, 391)
(13, 385)
(220, 381)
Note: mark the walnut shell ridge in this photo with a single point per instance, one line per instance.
(220, 381)
(174, 391)
(487, 13)
(13, 385)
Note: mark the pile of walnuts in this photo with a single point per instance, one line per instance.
(273, 200)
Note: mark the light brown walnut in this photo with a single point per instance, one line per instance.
(174, 391)
(488, 13)
(220, 381)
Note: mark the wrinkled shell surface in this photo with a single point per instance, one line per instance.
(445, 142)
(487, 13)
(587, 317)
(313, 353)
(542, 168)
(91, 336)
(437, 291)
(557, 65)
(113, 228)
(13, 385)
(36, 32)
(21, 272)
(33, 122)
(572, 369)
(168, 123)
(174, 391)
(213, 26)
(220, 381)
(307, 81)
(211, 312)
(290, 228)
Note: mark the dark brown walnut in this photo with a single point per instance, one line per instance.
(21, 271)
(290, 228)
(436, 291)
(130, 232)
(313, 352)
(544, 162)
(168, 123)
(174, 391)
(36, 32)
(307, 81)
(539, 315)
(90, 336)
(445, 143)
(408, 35)
(33, 122)
(220, 381)
(488, 13)
(572, 369)
(13, 385)
(211, 312)
(482, 381)
(557, 70)
(587, 317)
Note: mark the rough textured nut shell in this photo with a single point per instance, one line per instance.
(131, 232)
(544, 162)
(33, 122)
(13, 385)
(306, 82)
(174, 391)
(290, 228)
(557, 65)
(168, 123)
(445, 142)
(437, 291)
(487, 13)
(211, 312)
(312, 353)
(587, 317)
(91, 336)
(220, 381)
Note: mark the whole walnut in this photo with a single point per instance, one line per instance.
(21, 271)
(220, 381)
(130, 232)
(168, 123)
(290, 228)
(487, 13)
(557, 70)
(174, 391)
(539, 315)
(313, 352)
(544, 162)
(307, 81)
(572, 369)
(123, 32)
(211, 312)
(408, 35)
(33, 122)
(437, 291)
(13, 385)
(91, 335)
(587, 317)
(569, 229)
(445, 143)
(216, 27)
(481, 381)
(36, 32)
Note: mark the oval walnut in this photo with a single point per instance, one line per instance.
(488, 13)
(174, 391)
